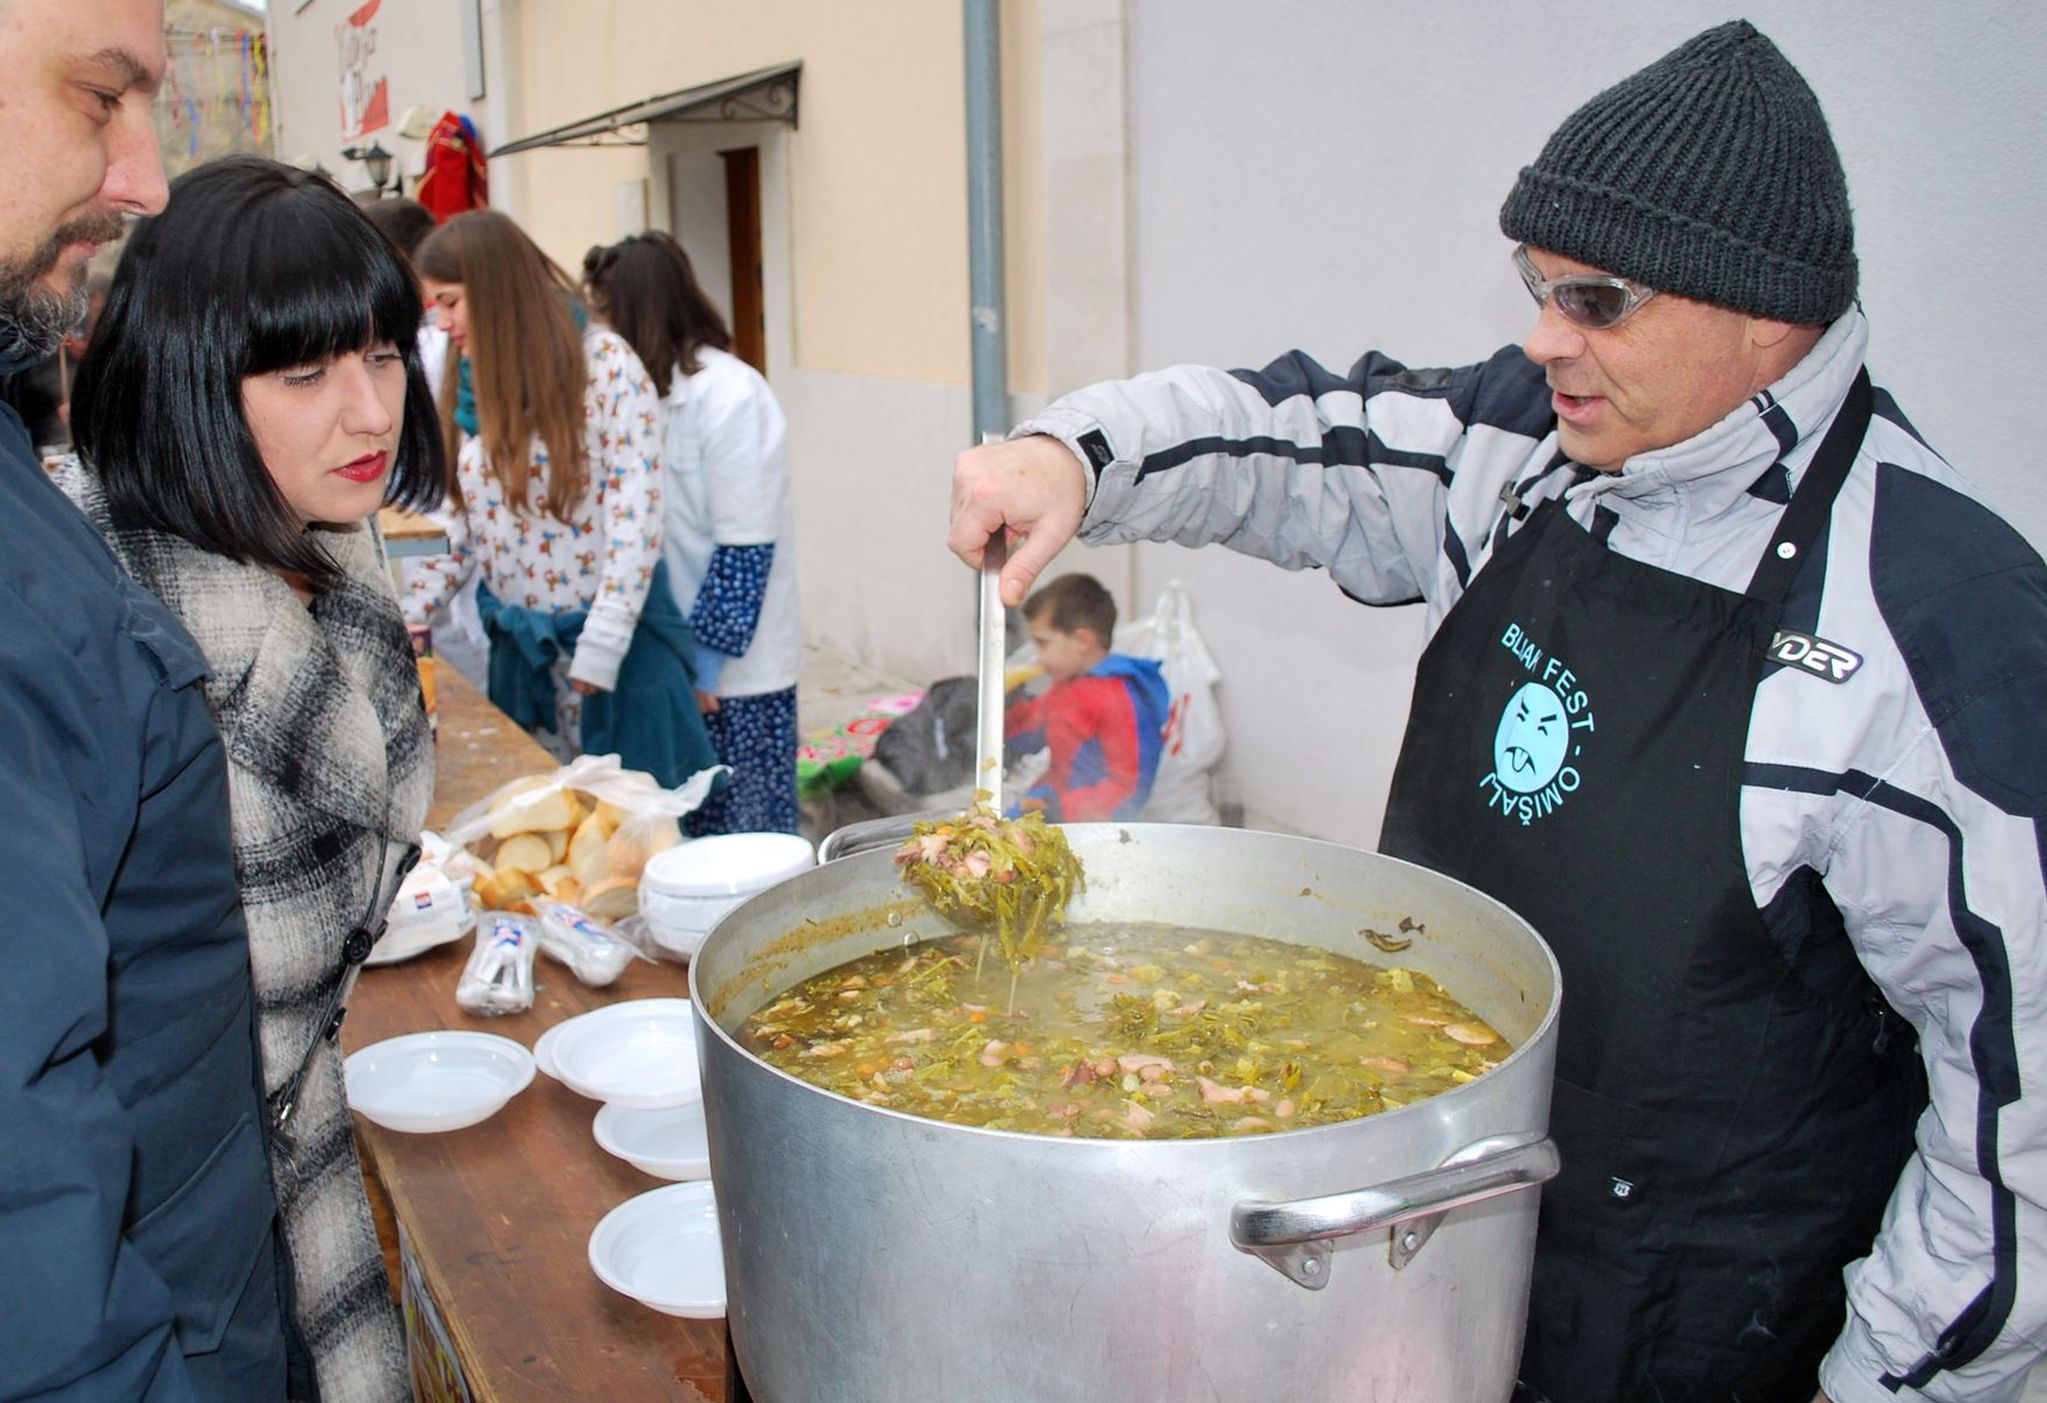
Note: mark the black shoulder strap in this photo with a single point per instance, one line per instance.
(355, 948)
(1813, 502)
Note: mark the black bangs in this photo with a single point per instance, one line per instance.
(252, 267)
(316, 286)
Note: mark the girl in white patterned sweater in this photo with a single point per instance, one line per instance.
(555, 435)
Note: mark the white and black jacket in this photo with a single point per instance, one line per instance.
(1917, 792)
(330, 771)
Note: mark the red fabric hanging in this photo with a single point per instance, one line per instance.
(456, 177)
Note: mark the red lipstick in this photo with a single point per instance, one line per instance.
(367, 468)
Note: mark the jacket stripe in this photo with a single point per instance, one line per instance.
(1340, 447)
(1993, 1052)
(1778, 422)
(1379, 603)
(1301, 374)
(1886, 408)
(1453, 551)
(1774, 485)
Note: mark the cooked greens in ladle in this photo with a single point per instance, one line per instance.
(1008, 877)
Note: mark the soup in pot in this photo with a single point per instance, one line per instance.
(1129, 1031)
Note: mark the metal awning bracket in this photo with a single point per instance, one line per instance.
(764, 95)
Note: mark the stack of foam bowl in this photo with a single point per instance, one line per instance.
(688, 888)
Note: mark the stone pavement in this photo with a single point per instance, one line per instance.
(833, 686)
(832, 689)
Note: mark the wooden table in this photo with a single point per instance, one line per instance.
(497, 1218)
(408, 534)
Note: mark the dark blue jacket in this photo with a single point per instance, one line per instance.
(650, 720)
(137, 1243)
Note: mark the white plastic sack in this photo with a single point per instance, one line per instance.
(585, 832)
(639, 794)
(1182, 792)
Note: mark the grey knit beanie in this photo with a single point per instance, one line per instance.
(1709, 174)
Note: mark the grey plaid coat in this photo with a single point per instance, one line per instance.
(330, 773)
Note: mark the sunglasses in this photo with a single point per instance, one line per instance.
(1594, 301)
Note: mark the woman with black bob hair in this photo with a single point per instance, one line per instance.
(252, 396)
(259, 270)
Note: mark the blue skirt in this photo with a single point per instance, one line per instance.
(756, 736)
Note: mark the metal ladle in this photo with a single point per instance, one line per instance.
(990, 673)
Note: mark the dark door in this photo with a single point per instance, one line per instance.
(743, 234)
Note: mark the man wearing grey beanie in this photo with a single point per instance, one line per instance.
(1736, 691)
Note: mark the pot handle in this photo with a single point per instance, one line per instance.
(1296, 1239)
(875, 833)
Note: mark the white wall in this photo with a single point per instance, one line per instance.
(696, 206)
(1328, 174)
(871, 455)
(420, 52)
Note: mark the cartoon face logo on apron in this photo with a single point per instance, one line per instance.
(1543, 730)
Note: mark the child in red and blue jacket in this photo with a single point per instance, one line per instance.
(1104, 717)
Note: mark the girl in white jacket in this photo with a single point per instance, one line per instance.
(728, 531)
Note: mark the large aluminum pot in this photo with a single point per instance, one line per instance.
(871, 1255)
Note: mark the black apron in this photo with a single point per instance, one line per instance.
(1733, 1107)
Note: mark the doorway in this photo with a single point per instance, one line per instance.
(715, 211)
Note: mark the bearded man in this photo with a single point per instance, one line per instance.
(137, 1221)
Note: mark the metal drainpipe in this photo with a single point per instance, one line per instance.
(984, 215)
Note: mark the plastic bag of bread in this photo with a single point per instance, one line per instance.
(580, 834)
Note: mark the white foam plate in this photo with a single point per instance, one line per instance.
(661, 1248)
(543, 1049)
(436, 1081)
(670, 1144)
(543, 1046)
(641, 1057)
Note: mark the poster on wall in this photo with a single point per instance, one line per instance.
(365, 89)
